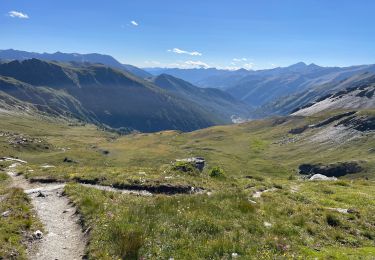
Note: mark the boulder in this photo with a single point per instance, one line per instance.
(299, 130)
(68, 160)
(321, 177)
(196, 162)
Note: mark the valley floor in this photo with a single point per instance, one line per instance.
(259, 207)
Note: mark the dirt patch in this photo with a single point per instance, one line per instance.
(45, 180)
(162, 189)
(168, 189)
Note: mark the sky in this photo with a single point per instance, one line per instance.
(231, 34)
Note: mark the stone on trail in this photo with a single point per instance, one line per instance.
(41, 194)
(38, 234)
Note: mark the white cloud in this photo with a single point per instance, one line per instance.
(134, 23)
(239, 59)
(197, 64)
(187, 65)
(248, 66)
(15, 14)
(179, 51)
(240, 63)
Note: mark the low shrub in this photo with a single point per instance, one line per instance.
(217, 172)
(185, 167)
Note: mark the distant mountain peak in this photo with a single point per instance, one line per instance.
(298, 65)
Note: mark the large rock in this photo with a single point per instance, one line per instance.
(197, 162)
(330, 170)
(320, 177)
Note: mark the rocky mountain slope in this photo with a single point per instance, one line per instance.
(278, 90)
(359, 97)
(289, 104)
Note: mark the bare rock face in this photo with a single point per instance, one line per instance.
(359, 123)
(330, 170)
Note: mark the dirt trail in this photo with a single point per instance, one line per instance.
(63, 237)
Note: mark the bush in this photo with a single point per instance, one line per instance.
(217, 172)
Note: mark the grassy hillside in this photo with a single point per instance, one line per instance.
(50, 101)
(295, 218)
(113, 97)
(216, 101)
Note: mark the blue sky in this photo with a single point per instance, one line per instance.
(216, 33)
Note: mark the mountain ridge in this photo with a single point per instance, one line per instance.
(105, 59)
(211, 99)
(118, 99)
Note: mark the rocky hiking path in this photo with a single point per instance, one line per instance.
(63, 237)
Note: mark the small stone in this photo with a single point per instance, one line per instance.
(38, 234)
(5, 214)
(353, 211)
(41, 194)
(267, 224)
(234, 255)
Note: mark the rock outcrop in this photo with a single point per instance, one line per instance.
(330, 170)
(359, 123)
(196, 162)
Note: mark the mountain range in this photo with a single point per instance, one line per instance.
(275, 91)
(114, 97)
(108, 60)
(97, 88)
